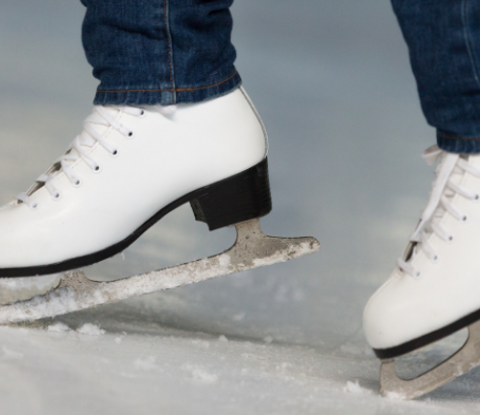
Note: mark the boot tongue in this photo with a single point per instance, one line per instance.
(474, 160)
(456, 177)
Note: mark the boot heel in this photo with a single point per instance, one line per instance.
(236, 199)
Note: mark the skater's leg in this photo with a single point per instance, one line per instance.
(443, 37)
(172, 121)
(160, 51)
(434, 291)
(171, 126)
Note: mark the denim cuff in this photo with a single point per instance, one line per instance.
(167, 96)
(455, 144)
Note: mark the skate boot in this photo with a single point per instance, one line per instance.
(130, 167)
(435, 289)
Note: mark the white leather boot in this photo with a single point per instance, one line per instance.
(435, 289)
(130, 167)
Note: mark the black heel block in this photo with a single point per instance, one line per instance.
(235, 199)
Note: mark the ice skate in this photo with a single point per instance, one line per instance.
(435, 290)
(129, 168)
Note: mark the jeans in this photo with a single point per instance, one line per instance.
(443, 37)
(147, 52)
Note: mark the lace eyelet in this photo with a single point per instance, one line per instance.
(77, 183)
(130, 135)
(450, 239)
(464, 218)
(33, 205)
(115, 153)
(97, 169)
(143, 114)
(57, 195)
(476, 198)
(418, 274)
(434, 259)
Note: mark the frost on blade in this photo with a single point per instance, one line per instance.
(75, 292)
(284, 255)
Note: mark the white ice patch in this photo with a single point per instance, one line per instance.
(239, 316)
(201, 343)
(268, 339)
(11, 354)
(395, 395)
(58, 327)
(90, 330)
(37, 307)
(145, 364)
(200, 374)
(355, 388)
(222, 339)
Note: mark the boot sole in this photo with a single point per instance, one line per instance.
(236, 199)
(425, 340)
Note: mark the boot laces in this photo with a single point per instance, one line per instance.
(80, 149)
(449, 172)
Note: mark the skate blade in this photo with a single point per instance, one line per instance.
(252, 249)
(465, 359)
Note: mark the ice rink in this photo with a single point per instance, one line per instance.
(332, 82)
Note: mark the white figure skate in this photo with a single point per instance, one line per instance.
(129, 168)
(435, 290)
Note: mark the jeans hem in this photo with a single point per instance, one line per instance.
(166, 96)
(456, 144)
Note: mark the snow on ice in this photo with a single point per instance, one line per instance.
(90, 330)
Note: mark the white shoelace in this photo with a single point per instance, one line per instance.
(444, 188)
(79, 149)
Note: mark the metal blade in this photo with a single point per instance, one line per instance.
(468, 357)
(252, 249)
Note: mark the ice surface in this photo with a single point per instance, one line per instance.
(332, 82)
(145, 364)
(11, 354)
(222, 338)
(200, 374)
(354, 387)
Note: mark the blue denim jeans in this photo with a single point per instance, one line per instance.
(165, 52)
(443, 37)
(148, 52)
